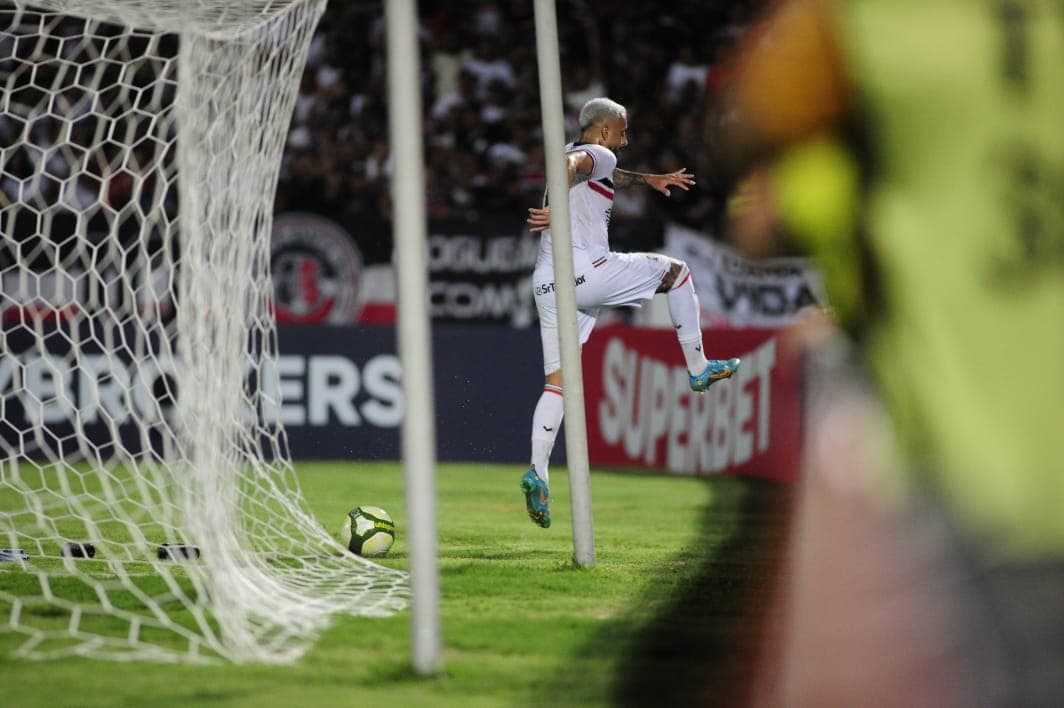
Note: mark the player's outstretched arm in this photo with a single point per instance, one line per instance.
(539, 218)
(663, 183)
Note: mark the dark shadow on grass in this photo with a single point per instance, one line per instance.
(703, 646)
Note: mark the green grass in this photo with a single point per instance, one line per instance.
(667, 614)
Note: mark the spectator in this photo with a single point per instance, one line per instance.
(685, 71)
(486, 64)
(479, 75)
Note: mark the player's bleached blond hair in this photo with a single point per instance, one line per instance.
(599, 109)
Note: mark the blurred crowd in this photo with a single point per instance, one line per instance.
(480, 93)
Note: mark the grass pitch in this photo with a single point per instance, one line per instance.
(670, 615)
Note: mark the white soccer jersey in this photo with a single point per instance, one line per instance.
(590, 204)
(602, 279)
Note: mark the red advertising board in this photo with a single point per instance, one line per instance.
(641, 412)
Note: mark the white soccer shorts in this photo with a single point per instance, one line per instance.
(610, 280)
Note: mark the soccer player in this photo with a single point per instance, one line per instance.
(940, 580)
(604, 278)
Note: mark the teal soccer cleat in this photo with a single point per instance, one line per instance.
(537, 498)
(716, 369)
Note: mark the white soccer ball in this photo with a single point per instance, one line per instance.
(368, 531)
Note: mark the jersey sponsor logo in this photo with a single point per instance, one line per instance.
(316, 269)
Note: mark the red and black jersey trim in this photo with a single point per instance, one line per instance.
(599, 262)
(598, 186)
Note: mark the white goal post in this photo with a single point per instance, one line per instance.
(576, 454)
(415, 342)
(148, 504)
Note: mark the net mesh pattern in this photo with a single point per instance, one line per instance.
(140, 144)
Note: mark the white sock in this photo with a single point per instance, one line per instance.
(546, 421)
(684, 311)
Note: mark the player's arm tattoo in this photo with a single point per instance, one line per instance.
(578, 171)
(624, 178)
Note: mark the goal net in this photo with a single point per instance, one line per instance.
(148, 506)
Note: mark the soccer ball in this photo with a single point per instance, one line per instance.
(368, 531)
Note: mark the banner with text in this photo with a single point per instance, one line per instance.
(739, 292)
(642, 413)
(337, 392)
(328, 271)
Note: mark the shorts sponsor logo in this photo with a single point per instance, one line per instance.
(547, 288)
